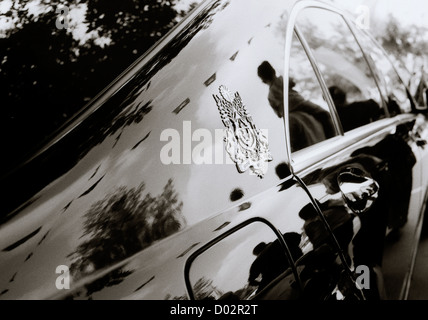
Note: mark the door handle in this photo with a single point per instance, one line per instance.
(358, 189)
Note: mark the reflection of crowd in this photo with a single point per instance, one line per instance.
(309, 123)
(356, 114)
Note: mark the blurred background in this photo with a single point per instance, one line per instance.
(400, 26)
(56, 55)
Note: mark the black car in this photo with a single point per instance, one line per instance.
(261, 150)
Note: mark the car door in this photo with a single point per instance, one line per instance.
(400, 102)
(371, 171)
(244, 258)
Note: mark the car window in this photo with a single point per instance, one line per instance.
(392, 87)
(344, 68)
(310, 120)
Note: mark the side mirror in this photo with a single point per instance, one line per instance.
(358, 190)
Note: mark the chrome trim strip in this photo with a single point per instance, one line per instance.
(388, 56)
(365, 55)
(323, 85)
(290, 29)
(287, 51)
(321, 153)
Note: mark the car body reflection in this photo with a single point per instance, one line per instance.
(100, 200)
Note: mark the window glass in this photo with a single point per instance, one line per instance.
(310, 120)
(343, 66)
(393, 89)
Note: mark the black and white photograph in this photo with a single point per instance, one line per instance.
(214, 153)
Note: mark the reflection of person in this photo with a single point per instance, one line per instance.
(271, 260)
(356, 114)
(276, 96)
(309, 123)
(322, 266)
(298, 103)
(336, 216)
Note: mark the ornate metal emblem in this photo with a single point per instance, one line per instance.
(245, 144)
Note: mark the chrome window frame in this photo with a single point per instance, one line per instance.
(320, 78)
(300, 161)
(373, 72)
(352, 26)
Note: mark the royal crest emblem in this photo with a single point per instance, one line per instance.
(246, 145)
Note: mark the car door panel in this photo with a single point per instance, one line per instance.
(319, 272)
(389, 159)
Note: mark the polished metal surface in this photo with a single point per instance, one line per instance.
(179, 181)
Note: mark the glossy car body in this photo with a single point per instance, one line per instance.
(147, 196)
